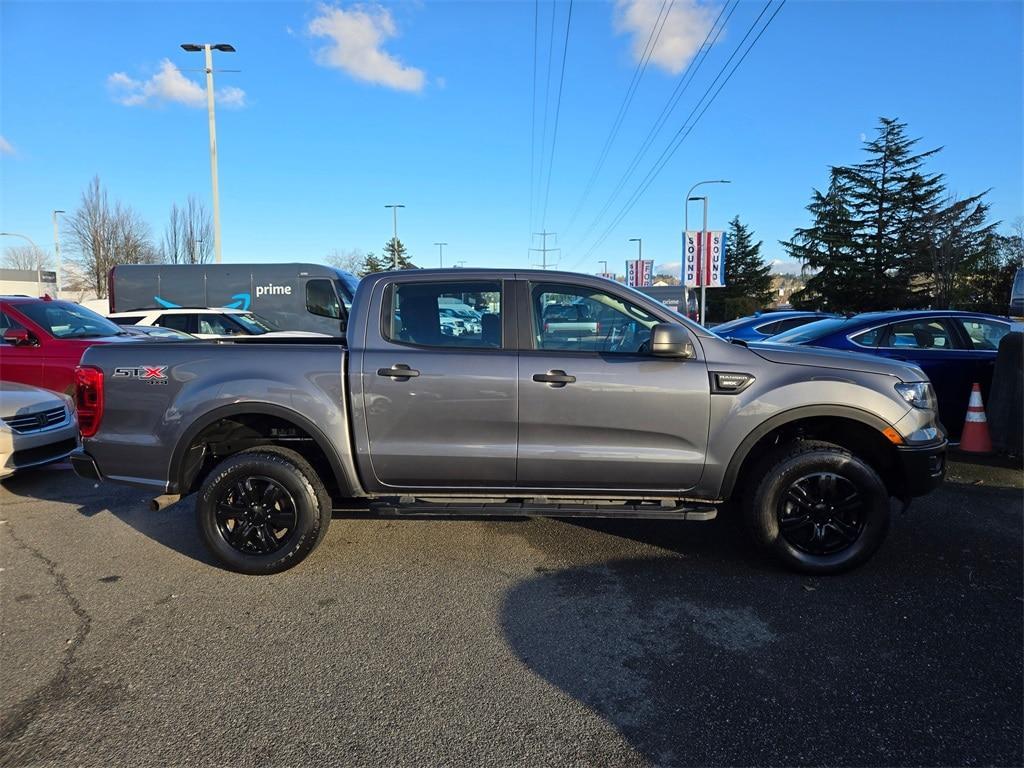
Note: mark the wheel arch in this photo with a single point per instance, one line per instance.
(184, 469)
(861, 429)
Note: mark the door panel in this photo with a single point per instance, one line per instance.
(626, 422)
(619, 418)
(440, 402)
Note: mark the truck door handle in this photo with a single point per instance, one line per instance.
(399, 372)
(555, 378)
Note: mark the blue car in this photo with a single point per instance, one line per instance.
(764, 324)
(955, 349)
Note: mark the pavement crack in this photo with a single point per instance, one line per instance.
(20, 716)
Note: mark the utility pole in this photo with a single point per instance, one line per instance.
(208, 49)
(394, 240)
(440, 254)
(56, 251)
(544, 250)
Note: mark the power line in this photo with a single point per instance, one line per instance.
(547, 99)
(533, 108)
(685, 130)
(558, 110)
(627, 100)
(681, 86)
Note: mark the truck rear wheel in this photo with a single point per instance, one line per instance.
(817, 507)
(262, 510)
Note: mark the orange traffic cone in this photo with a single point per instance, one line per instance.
(975, 437)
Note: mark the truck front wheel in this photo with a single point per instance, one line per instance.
(817, 507)
(262, 510)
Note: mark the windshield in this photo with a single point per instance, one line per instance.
(64, 320)
(347, 289)
(810, 332)
(253, 323)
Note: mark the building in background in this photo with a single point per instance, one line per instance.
(28, 282)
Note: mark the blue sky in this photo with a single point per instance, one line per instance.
(342, 108)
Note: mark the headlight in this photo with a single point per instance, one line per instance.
(919, 394)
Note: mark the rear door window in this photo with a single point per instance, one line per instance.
(128, 320)
(179, 322)
(416, 314)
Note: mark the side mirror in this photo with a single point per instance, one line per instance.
(671, 340)
(19, 337)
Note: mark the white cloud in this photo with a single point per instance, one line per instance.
(5, 147)
(681, 36)
(168, 85)
(356, 36)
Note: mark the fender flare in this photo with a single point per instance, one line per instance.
(346, 484)
(786, 417)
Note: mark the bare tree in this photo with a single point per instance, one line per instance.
(188, 236)
(350, 260)
(26, 257)
(103, 236)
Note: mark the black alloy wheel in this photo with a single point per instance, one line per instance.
(821, 513)
(256, 515)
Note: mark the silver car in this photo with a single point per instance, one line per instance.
(36, 427)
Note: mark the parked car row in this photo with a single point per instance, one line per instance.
(955, 349)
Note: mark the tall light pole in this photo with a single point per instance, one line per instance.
(56, 251)
(604, 267)
(394, 241)
(686, 228)
(39, 256)
(208, 49)
(440, 253)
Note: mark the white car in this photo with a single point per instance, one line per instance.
(36, 427)
(220, 323)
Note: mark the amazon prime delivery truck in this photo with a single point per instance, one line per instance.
(295, 297)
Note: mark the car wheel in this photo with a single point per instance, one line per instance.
(817, 508)
(263, 510)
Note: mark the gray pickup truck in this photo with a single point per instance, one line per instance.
(654, 418)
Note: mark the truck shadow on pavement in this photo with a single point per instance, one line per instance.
(698, 659)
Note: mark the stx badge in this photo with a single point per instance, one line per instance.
(150, 374)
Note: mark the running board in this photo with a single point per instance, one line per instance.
(531, 509)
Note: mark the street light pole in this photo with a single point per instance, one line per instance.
(394, 240)
(39, 256)
(208, 49)
(686, 228)
(604, 267)
(440, 254)
(56, 251)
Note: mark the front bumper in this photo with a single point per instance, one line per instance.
(923, 467)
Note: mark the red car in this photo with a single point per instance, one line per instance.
(43, 340)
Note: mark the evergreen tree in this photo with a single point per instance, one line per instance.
(892, 200)
(959, 250)
(402, 261)
(827, 250)
(748, 280)
(371, 263)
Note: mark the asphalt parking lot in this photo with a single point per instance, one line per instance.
(539, 642)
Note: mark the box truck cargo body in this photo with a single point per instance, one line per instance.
(295, 297)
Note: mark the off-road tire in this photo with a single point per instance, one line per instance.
(287, 469)
(798, 464)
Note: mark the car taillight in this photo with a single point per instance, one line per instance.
(89, 398)
(598, 324)
(546, 326)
